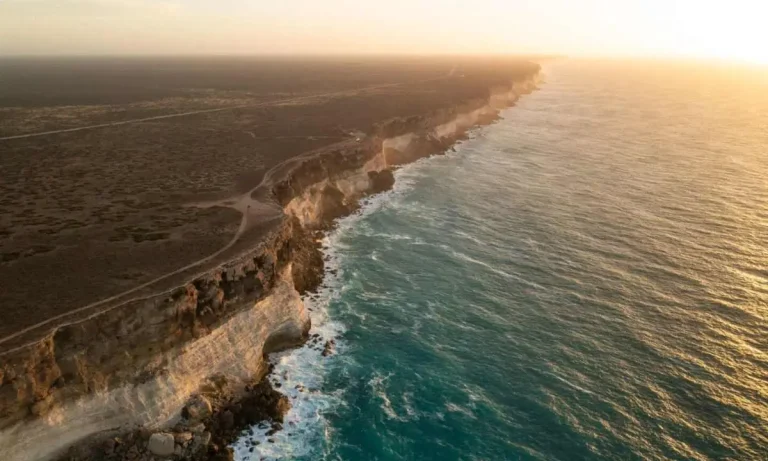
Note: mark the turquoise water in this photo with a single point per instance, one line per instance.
(586, 279)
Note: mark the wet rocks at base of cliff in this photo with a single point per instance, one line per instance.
(381, 181)
(211, 421)
(308, 268)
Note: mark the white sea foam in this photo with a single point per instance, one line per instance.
(570, 384)
(455, 408)
(300, 373)
(378, 385)
(469, 237)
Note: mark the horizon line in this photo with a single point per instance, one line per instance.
(311, 55)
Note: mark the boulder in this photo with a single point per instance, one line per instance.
(281, 408)
(328, 348)
(161, 444)
(42, 406)
(183, 438)
(381, 180)
(198, 428)
(201, 441)
(198, 408)
(227, 419)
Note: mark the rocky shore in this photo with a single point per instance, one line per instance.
(182, 374)
(209, 423)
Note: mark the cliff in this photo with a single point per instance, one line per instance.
(140, 362)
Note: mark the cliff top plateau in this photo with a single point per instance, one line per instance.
(126, 177)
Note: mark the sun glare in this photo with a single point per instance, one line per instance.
(731, 31)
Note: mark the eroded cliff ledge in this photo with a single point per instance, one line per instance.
(139, 363)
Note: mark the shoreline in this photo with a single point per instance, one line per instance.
(206, 316)
(300, 373)
(323, 343)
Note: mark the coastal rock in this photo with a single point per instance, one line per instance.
(109, 445)
(328, 348)
(282, 407)
(201, 441)
(197, 428)
(161, 444)
(41, 406)
(198, 408)
(183, 438)
(333, 204)
(381, 180)
(227, 419)
(225, 454)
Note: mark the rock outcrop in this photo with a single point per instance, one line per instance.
(194, 437)
(161, 444)
(147, 363)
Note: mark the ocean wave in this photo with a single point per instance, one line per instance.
(301, 373)
(582, 281)
(377, 384)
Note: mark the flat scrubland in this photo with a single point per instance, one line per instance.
(91, 213)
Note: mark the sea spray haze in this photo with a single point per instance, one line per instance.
(586, 279)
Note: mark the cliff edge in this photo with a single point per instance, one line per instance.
(142, 362)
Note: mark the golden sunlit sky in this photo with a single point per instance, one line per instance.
(732, 30)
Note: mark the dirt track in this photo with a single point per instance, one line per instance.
(251, 210)
(94, 198)
(210, 111)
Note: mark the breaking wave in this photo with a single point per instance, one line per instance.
(583, 280)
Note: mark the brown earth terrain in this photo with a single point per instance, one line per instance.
(138, 189)
(153, 258)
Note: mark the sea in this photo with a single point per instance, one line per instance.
(586, 279)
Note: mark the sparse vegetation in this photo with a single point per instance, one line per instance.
(80, 209)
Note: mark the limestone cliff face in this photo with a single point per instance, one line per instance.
(234, 349)
(140, 362)
(325, 187)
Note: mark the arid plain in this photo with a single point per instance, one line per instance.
(105, 163)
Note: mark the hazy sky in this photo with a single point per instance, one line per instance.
(735, 29)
